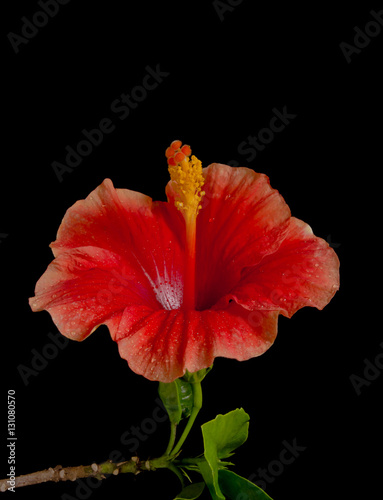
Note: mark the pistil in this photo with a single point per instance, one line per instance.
(189, 290)
(187, 181)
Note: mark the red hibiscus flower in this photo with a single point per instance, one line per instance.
(179, 283)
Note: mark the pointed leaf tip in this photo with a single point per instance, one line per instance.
(235, 487)
(191, 492)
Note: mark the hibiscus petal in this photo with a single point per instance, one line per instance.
(162, 345)
(103, 241)
(242, 219)
(108, 218)
(148, 236)
(83, 287)
(304, 271)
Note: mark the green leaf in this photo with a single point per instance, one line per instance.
(235, 487)
(221, 437)
(191, 492)
(225, 433)
(210, 476)
(177, 397)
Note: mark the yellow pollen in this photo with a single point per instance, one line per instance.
(186, 173)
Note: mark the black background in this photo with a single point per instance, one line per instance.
(225, 77)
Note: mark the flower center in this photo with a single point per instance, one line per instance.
(186, 174)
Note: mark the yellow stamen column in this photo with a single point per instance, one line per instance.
(186, 174)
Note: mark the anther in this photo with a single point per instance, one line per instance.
(186, 150)
(176, 145)
(169, 152)
(172, 162)
(179, 157)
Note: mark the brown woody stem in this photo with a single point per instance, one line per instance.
(99, 471)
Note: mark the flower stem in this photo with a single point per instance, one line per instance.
(173, 431)
(197, 405)
(59, 473)
(176, 471)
